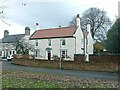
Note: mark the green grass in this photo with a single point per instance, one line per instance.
(22, 79)
(27, 83)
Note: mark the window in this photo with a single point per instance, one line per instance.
(64, 53)
(36, 42)
(63, 42)
(49, 42)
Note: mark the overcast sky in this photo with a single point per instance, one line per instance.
(49, 13)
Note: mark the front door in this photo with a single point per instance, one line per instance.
(49, 55)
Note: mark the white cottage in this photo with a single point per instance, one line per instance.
(62, 41)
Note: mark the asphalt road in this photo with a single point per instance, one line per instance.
(85, 74)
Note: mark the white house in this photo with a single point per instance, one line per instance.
(8, 43)
(62, 41)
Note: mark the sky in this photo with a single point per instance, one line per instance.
(49, 13)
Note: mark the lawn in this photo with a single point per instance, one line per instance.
(22, 79)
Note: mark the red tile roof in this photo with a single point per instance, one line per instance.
(54, 33)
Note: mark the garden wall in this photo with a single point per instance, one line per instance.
(98, 58)
(107, 63)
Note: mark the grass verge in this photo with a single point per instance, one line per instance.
(22, 79)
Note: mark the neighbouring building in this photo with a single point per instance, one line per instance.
(62, 41)
(9, 42)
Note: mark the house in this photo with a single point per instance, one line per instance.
(62, 41)
(9, 42)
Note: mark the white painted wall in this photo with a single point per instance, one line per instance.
(79, 36)
(55, 45)
(90, 41)
(7, 48)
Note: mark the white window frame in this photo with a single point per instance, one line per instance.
(66, 52)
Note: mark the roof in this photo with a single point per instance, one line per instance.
(54, 33)
(12, 38)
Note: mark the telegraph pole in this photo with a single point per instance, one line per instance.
(60, 64)
(85, 33)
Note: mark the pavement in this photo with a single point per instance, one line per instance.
(84, 74)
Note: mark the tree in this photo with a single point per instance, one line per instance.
(99, 21)
(3, 6)
(113, 38)
(23, 46)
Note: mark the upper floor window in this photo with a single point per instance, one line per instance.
(49, 42)
(63, 42)
(36, 43)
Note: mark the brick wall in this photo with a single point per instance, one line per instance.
(98, 58)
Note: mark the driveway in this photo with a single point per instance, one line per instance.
(85, 74)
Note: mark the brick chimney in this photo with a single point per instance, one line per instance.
(27, 31)
(6, 33)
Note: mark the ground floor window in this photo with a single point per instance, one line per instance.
(64, 53)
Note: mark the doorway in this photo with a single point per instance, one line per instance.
(49, 55)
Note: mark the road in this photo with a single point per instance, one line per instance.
(85, 74)
(0, 74)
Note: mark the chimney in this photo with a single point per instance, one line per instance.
(77, 20)
(27, 31)
(6, 33)
(37, 26)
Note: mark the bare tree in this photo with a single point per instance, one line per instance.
(100, 22)
(3, 6)
(24, 46)
(2, 9)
